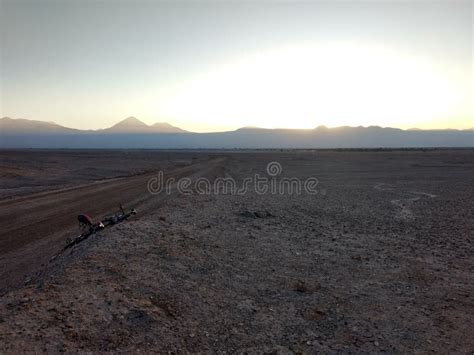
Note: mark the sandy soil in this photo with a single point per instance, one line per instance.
(379, 260)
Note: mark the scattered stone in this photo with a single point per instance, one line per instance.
(303, 286)
(300, 286)
(315, 314)
(263, 214)
(248, 214)
(139, 317)
(256, 214)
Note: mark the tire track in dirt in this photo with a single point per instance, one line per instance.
(405, 204)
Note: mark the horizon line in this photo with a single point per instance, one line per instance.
(184, 131)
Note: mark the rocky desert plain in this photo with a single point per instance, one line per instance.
(379, 258)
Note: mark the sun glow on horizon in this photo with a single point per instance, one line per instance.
(325, 84)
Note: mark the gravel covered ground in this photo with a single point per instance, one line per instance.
(380, 259)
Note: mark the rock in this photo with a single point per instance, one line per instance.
(248, 214)
(263, 214)
(257, 214)
(303, 286)
(281, 350)
(300, 286)
(315, 314)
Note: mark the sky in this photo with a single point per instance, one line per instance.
(215, 66)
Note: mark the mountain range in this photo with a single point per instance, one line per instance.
(130, 125)
(133, 133)
(134, 125)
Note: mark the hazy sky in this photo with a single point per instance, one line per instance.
(208, 66)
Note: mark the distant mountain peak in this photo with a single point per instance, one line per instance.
(322, 128)
(165, 127)
(134, 125)
(129, 125)
(25, 126)
(250, 128)
(130, 121)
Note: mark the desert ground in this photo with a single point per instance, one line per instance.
(379, 258)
